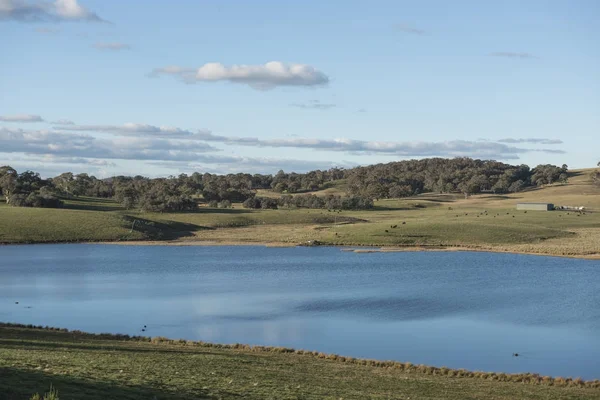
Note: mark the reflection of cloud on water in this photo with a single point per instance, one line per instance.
(271, 333)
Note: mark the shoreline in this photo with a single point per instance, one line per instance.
(525, 377)
(359, 249)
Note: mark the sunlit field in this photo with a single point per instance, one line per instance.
(481, 222)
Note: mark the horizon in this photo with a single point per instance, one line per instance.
(111, 88)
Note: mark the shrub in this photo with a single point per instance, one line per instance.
(252, 202)
(213, 204)
(35, 199)
(224, 204)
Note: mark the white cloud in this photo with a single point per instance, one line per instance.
(531, 140)
(251, 165)
(261, 77)
(63, 122)
(133, 129)
(112, 46)
(77, 145)
(21, 118)
(41, 10)
(451, 148)
(70, 148)
(76, 160)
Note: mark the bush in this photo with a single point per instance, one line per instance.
(252, 202)
(224, 204)
(35, 199)
(213, 204)
(267, 203)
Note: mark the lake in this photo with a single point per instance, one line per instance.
(455, 309)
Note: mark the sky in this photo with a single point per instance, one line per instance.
(158, 88)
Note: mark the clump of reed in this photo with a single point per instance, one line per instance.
(51, 395)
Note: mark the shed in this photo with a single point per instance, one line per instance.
(535, 206)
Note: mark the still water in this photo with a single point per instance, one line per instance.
(460, 310)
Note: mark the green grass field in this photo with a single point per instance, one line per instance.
(82, 366)
(428, 220)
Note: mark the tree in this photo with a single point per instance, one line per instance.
(596, 176)
(64, 182)
(516, 186)
(8, 181)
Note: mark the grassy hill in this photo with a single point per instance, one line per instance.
(481, 222)
(82, 366)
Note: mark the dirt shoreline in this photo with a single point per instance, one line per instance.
(359, 249)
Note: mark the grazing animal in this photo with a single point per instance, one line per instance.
(386, 231)
(403, 222)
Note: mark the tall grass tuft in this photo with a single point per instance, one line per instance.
(51, 395)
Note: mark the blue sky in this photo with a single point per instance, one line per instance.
(159, 88)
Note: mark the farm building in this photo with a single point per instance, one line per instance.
(535, 206)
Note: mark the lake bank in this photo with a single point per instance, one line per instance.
(111, 366)
(353, 248)
(363, 248)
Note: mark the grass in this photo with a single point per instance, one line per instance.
(104, 366)
(430, 220)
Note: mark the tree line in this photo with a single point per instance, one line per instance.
(329, 202)
(364, 184)
(458, 175)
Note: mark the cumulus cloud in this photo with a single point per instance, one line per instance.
(21, 118)
(45, 11)
(115, 46)
(314, 105)
(531, 140)
(261, 77)
(409, 29)
(143, 130)
(510, 54)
